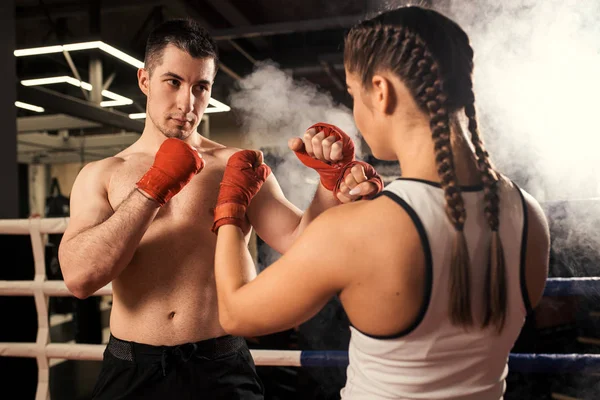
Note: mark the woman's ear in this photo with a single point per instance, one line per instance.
(384, 96)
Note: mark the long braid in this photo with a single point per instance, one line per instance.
(496, 285)
(422, 76)
(430, 94)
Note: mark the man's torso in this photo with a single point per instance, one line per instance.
(167, 294)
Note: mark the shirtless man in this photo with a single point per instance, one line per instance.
(142, 220)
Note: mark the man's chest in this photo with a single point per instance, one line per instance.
(195, 200)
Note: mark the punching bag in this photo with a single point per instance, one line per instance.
(87, 324)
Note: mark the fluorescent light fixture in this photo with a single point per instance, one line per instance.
(117, 99)
(217, 106)
(81, 46)
(137, 115)
(49, 81)
(29, 107)
(114, 103)
(114, 96)
(120, 55)
(38, 50)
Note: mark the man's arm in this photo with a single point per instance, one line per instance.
(99, 243)
(279, 222)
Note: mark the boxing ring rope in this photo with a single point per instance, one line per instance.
(43, 350)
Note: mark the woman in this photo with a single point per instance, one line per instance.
(436, 274)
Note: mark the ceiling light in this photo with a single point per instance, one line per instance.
(38, 50)
(29, 107)
(46, 81)
(137, 115)
(217, 106)
(81, 46)
(120, 55)
(117, 99)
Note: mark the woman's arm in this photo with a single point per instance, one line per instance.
(293, 289)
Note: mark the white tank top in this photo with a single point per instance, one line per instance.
(434, 359)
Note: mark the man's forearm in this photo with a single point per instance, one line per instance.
(97, 255)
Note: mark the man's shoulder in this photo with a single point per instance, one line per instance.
(104, 164)
(99, 168)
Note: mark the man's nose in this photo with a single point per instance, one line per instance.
(185, 100)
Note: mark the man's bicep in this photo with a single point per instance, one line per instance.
(274, 218)
(89, 203)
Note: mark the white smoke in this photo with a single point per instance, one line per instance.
(537, 79)
(274, 107)
(536, 83)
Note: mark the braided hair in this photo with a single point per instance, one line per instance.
(433, 57)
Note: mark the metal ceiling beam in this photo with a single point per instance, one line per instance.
(41, 148)
(335, 79)
(312, 69)
(62, 103)
(183, 9)
(55, 142)
(280, 28)
(52, 123)
(80, 9)
(233, 15)
(58, 158)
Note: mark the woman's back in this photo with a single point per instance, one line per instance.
(432, 358)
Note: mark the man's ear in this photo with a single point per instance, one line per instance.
(384, 96)
(143, 80)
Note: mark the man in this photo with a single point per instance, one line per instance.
(142, 220)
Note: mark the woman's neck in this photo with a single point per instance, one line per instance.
(416, 154)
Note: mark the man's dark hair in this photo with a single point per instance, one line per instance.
(185, 34)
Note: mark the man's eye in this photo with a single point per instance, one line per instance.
(173, 82)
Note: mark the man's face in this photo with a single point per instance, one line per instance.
(178, 91)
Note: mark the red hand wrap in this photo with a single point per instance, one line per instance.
(244, 176)
(329, 173)
(175, 164)
(370, 173)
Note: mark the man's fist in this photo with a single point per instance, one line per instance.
(244, 175)
(175, 164)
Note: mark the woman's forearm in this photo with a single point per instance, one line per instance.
(233, 268)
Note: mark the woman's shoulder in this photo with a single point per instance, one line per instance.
(378, 224)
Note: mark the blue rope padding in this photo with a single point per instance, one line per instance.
(331, 358)
(524, 363)
(572, 287)
(557, 363)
